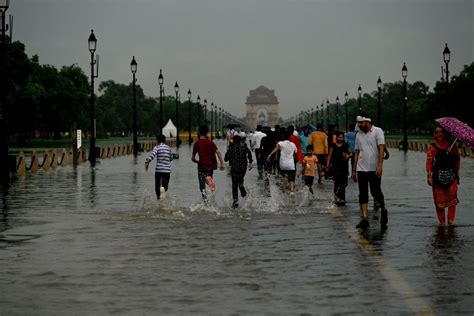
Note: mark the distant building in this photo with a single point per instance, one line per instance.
(262, 108)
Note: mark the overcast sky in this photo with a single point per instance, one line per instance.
(306, 51)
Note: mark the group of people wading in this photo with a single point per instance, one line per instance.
(290, 153)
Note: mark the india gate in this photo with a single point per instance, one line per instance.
(262, 108)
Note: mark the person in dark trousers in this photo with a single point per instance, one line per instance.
(162, 153)
(240, 158)
(255, 142)
(369, 157)
(207, 163)
(338, 158)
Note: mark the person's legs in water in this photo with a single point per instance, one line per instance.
(202, 175)
(158, 177)
(441, 215)
(235, 191)
(375, 183)
(363, 181)
(451, 215)
(308, 181)
(291, 179)
(243, 192)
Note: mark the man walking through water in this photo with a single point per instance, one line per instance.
(162, 152)
(367, 169)
(207, 163)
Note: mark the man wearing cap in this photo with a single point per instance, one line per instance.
(367, 168)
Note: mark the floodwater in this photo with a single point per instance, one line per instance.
(95, 241)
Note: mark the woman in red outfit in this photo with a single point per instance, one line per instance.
(442, 166)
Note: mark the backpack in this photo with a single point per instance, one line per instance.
(444, 168)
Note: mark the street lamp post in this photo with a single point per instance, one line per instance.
(4, 150)
(405, 132)
(198, 111)
(190, 138)
(92, 41)
(379, 103)
(447, 58)
(176, 90)
(337, 111)
(212, 118)
(220, 120)
(322, 113)
(346, 98)
(327, 114)
(133, 68)
(160, 84)
(359, 91)
(205, 111)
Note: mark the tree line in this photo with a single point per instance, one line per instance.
(43, 100)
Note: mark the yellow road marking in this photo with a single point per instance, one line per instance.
(413, 301)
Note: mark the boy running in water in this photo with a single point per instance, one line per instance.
(239, 157)
(207, 163)
(310, 162)
(162, 152)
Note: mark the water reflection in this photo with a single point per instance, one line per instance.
(446, 265)
(92, 188)
(4, 189)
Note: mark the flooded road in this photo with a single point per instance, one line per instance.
(95, 241)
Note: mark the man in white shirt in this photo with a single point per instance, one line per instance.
(287, 162)
(255, 142)
(367, 169)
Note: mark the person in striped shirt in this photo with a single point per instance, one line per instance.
(162, 153)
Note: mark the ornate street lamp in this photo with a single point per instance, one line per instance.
(92, 41)
(198, 111)
(190, 138)
(337, 111)
(405, 132)
(160, 84)
(346, 98)
(327, 113)
(379, 106)
(4, 147)
(446, 58)
(212, 119)
(205, 111)
(359, 91)
(176, 91)
(133, 68)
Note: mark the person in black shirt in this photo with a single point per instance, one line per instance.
(339, 154)
(239, 157)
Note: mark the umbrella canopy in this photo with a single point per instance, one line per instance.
(460, 130)
(231, 125)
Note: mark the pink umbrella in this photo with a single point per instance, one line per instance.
(460, 130)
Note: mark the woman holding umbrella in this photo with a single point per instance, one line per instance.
(442, 166)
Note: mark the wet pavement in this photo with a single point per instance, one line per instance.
(95, 241)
